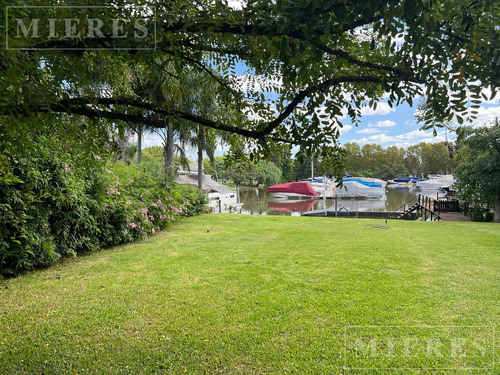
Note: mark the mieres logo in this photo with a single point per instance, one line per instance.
(80, 28)
(419, 348)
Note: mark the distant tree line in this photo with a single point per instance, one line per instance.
(421, 159)
(370, 160)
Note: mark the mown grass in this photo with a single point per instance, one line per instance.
(243, 294)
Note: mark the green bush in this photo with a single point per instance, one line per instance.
(57, 203)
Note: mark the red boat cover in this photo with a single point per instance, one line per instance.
(300, 187)
(292, 206)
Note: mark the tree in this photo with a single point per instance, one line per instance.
(354, 162)
(198, 98)
(318, 59)
(413, 159)
(478, 169)
(267, 173)
(302, 168)
(436, 158)
(389, 172)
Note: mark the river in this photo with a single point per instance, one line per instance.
(258, 201)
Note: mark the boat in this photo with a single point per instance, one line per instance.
(367, 181)
(359, 187)
(299, 189)
(220, 198)
(405, 181)
(322, 185)
(437, 183)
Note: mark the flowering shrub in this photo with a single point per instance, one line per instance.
(57, 203)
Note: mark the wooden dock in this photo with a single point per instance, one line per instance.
(453, 216)
(418, 208)
(440, 209)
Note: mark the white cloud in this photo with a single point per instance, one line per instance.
(345, 129)
(385, 124)
(151, 139)
(487, 91)
(369, 131)
(403, 140)
(485, 115)
(382, 109)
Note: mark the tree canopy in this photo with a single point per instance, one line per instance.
(308, 65)
(478, 170)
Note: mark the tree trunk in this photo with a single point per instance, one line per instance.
(200, 157)
(168, 149)
(122, 144)
(139, 144)
(165, 158)
(496, 217)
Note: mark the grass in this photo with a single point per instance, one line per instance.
(242, 294)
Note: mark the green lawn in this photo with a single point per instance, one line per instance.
(242, 294)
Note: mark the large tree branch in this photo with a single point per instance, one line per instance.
(301, 95)
(81, 106)
(263, 130)
(407, 74)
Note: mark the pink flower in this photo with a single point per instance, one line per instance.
(97, 157)
(152, 230)
(108, 171)
(132, 225)
(111, 190)
(151, 217)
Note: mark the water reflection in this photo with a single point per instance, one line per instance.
(258, 201)
(292, 205)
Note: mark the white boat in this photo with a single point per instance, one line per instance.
(322, 186)
(405, 181)
(354, 187)
(438, 183)
(374, 182)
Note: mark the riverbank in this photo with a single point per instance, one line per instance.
(252, 294)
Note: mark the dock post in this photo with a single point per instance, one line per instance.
(336, 205)
(220, 207)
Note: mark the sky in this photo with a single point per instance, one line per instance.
(388, 126)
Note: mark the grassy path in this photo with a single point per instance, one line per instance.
(246, 294)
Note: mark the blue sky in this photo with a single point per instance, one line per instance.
(397, 126)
